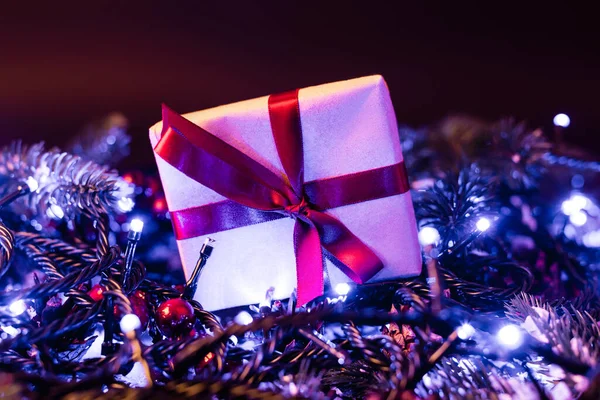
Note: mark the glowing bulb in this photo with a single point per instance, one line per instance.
(465, 331)
(591, 239)
(129, 323)
(568, 207)
(11, 330)
(243, 318)
(578, 218)
(17, 307)
(342, 289)
(574, 204)
(483, 224)
(136, 225)
(32, 183)
(428, 236)
(510, 336)
(125, 204)
(579, 201)
(562, 120)
(56, 211)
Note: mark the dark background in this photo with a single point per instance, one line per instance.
(65, 63)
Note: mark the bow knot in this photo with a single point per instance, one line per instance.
(296, 211)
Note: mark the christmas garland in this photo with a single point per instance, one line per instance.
(506, 306)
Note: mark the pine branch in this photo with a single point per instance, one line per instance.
(516, 154)
(104, 141)
(67, 185)
(454, 203)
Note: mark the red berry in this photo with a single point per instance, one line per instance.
(97, 292)
(175, 318)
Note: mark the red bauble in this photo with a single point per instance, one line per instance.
(175, 318)
(97, 292)
(139, 306)
(159, 205)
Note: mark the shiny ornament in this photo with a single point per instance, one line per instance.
(97, 292)
(139, 306)
(175, 318)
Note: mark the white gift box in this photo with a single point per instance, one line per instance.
(348, 127)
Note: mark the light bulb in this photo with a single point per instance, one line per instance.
(243, 318)
(574, 204)
(32, 183)
(56, 211)
(465, 331)
(578, 218)
(342, 288)
(136, 225)
(129, 323)
(11, 330)
(568, 207)
(579, 201)
(483, 224)
(125, 204)
(510, 336)
(562, 120)
(17, 307)
(428, 236)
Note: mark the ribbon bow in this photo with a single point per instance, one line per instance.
(255, 194)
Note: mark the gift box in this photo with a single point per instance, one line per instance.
(297, 189)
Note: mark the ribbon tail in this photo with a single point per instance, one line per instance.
(309, 261)
(356, 259)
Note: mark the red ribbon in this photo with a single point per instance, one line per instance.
(256, 195)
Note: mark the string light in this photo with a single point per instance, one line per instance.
(510, 336)
(10, 330)
(125, 204)
(465, 331)
(243, 318)
(55, 211)
(30, 185)
(575, 203)
(192, 284)
(342, 288)
(562, 120)
(577, 207)
(578, 218)
(17, 307)
(129, 323)
(136, 225)
(133, 237)
(428, 236)
(592, 239)
(483, 224)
